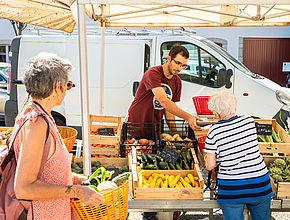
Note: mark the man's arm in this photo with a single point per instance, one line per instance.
(172, 108)
(171, 125)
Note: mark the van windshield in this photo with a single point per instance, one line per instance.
(229, 57)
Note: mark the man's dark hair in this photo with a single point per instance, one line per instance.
(178, 49)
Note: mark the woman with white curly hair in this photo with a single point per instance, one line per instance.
(243, 178)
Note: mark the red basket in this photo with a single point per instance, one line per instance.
(200, 104)
(201, 143)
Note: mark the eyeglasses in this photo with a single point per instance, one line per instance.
(69, 85)
(179, 63)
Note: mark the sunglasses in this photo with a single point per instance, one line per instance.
(69, 85)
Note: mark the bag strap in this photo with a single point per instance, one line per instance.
(11, 152)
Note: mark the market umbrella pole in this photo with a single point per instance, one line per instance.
(102, 72)
(84, 89)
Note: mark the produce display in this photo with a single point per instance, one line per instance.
(78, 167)
(275, 138)
(4, 135)
(155, 162)
(101, 180)
(159, 180)
(279, 170)
(176, 142)
(144, 144)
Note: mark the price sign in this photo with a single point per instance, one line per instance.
(264, 129)
(169, 155)
(106, 131)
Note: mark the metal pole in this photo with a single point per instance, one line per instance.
(102, 71)
(84, 88)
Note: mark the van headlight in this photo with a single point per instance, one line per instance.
(282, 97)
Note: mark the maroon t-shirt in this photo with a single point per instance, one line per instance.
(145, 107)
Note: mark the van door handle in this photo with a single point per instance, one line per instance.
(17, 82)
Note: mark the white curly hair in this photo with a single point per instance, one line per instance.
(223, 102)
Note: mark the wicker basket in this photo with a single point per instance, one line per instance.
(115, 206)
(68, 135)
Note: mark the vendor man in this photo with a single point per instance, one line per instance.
(158, 91)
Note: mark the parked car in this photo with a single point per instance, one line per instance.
(5, 69)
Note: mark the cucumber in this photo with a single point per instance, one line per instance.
(188, 156)
(160, 159)
(167, 165)
(178, 167)
(171, 166)
(186, 165)
(192, 165)
(144, 157)
(149, 167)
(156, 165)
(120, 178)
(151, 159)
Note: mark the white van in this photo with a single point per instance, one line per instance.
(210, 68)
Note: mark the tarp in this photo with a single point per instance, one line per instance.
(58, 14)
(51, 14)
(188, 13)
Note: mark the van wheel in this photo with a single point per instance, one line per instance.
(58, 118)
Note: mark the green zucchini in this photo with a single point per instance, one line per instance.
(171, 166)
(120, 178)
(177, 165)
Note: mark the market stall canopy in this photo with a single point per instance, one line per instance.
(51, 14)
(187, 13)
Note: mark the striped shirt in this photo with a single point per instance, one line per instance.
(242, 175)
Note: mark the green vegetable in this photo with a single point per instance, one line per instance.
(144, 158)
(189, 156)
(162, 165)
(171, 166)
(186, 165)
(178, 167)
(275, 171)
(167, 165)
(280, 163)
(125, 168)
(120, 178)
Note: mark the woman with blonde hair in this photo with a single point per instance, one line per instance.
(243, 178)
(49, 185)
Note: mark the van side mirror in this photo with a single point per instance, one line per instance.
(228, 78)
(135, 87)
(221, 77)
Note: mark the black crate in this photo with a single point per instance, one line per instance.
(137, 131)
(184, 131)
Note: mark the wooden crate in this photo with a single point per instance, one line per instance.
(283, 191)
(280, 190)
(195, 193)
(117, 162)
(105, 145)
(133, 159)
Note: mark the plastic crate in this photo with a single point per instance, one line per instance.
(137, 131)
(184, 131)
(201, 143)
(200, 104)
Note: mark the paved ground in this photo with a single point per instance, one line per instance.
(204, 216)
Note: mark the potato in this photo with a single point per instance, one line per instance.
(143, 142)
(151, 142)
(175, 136)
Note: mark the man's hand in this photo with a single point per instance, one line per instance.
(192, 122)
